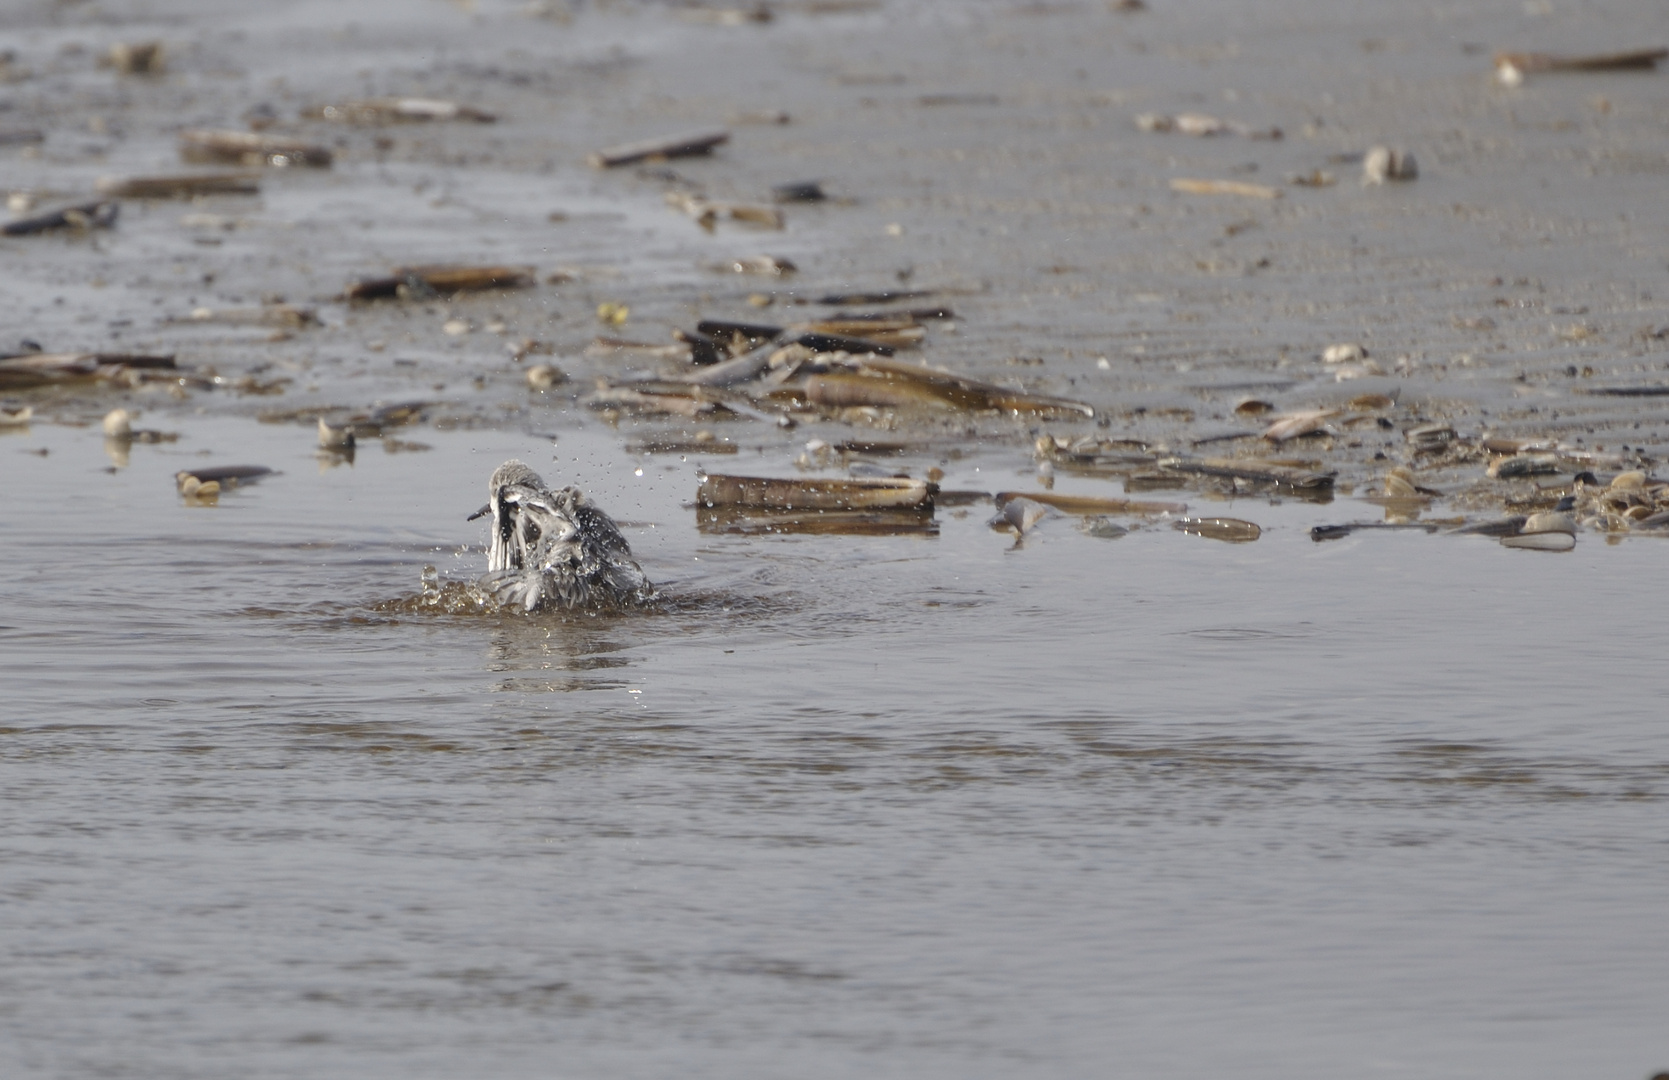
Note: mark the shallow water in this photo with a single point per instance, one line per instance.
(922, 805)
(918, 806)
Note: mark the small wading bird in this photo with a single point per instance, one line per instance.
(553, 549)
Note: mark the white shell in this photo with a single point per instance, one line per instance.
(1549, 521)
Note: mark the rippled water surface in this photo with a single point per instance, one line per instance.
(917, 806)
(910, 806)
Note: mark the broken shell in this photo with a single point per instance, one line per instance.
(1550, 521)
(1629, 481)
(1400, 482)
(1346, 353)
(1230, 530)
(335, 438)
(1433, 436)
(1371, 402)
(118, 424)
(455, 327)
(1303, 423)
(137, 57)
(545, 376)
(1383, 163)
(15, 417)
(1021, 513)
(761, 264)
(1102, 529)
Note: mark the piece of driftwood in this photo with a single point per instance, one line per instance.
(686, 144)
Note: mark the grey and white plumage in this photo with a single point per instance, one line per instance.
(554, 549)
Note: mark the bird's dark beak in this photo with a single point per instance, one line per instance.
(483, 512)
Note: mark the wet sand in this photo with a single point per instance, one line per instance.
(934, 804)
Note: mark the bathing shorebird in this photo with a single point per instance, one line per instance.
(554, 549)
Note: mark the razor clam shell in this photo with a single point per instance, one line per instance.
(250, 148)
(1508, 526)
(179, 187)
(1229, 530)
(685, 144)
(842, 390)
(1544, 541)
(1632, 60)
(1279, 475)
(98, 214)
(222, 474)
(752, 521)
(442, 278)
(1225, 187)
(846, 493)
(975, 393)
(1090, 504)
(1525, 465)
